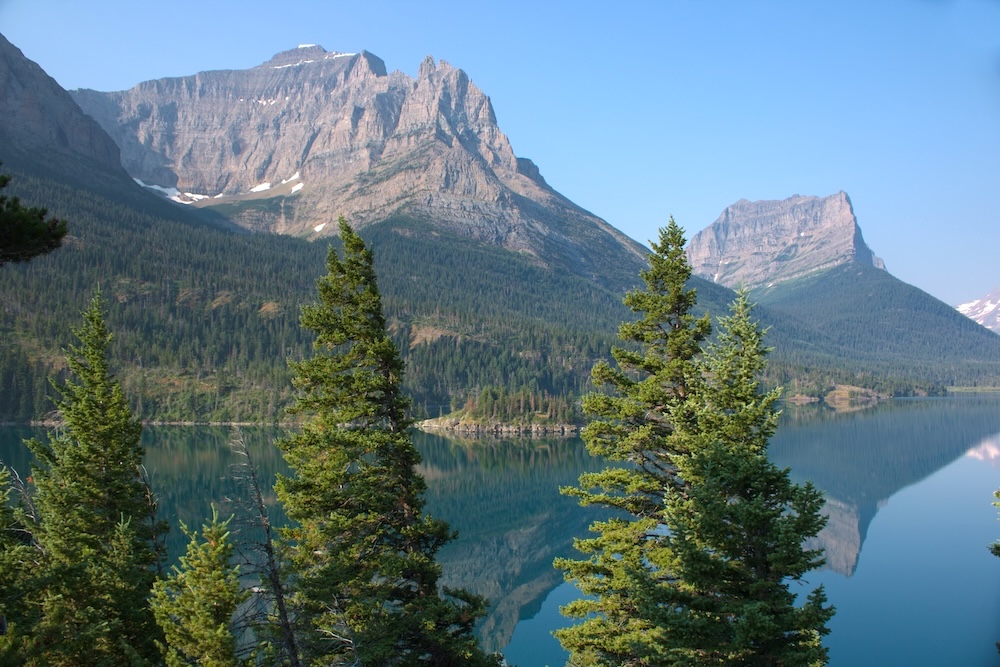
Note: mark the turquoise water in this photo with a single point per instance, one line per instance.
(909, 490)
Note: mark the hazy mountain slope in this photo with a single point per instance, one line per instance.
(830, 300)
(880, 323)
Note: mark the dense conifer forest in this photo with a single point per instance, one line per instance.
(205, 316)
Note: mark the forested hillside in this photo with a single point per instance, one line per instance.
(869, 325)
(206, 317)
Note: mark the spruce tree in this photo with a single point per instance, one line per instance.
(361, 549)
(97, 531)
(693, 566)
(737, 533)
(634, 427)
(195, 605)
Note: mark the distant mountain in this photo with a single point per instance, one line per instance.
(765, 242)
(205, 315)
(289, 145)
(984, 310)
(830, 300)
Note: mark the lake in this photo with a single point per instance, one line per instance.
(909, 487)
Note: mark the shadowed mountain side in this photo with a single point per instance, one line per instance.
(878, 320)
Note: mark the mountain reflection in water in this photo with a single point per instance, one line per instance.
(502, 495)
(861, 459)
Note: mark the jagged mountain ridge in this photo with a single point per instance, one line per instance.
(766, 242)
(984, 310)
(293, 143)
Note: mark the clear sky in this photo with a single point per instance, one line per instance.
(641, 110)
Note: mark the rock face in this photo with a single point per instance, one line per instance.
(319, 134)
(40, 119)
(984, 310)
(764, 242)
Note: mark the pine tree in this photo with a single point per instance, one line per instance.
(692, 567)
(97, 531)
(362, 550)
(634, 426)
(24, 231)
(195, 605)
(18, 558)
(737, 533)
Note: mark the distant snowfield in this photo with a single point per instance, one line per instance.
(319, 227)
(173, 193)
(263, 187)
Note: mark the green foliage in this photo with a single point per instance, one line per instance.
(365, 582)
(695, 566)
(861, 326)
(96, 535)
(24, 232)
(194, 607)
(497, 405)
(207, 316)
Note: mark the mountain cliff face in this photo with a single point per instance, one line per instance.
(766, 242)
(41, 120)
(984, 310)
(310, 135)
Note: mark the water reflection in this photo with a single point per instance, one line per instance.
(501, 495)
(861, 459)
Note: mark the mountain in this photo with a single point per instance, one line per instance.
(309, 135)
(984, 310)
(521, 298)
(830, 301)
(205, 314)
(42, 123)
(766, 242)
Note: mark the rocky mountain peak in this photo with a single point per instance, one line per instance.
(985, 311)
(291, 144)
(764, 242)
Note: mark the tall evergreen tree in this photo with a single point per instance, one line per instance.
(362, 549)
(97, 532)
(634, 426)
(737, 533)
(694, 566)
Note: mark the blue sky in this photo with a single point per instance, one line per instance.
(641, 110)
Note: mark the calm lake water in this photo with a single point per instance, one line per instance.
(909, 487)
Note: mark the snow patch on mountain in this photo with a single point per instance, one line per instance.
(985, 311)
